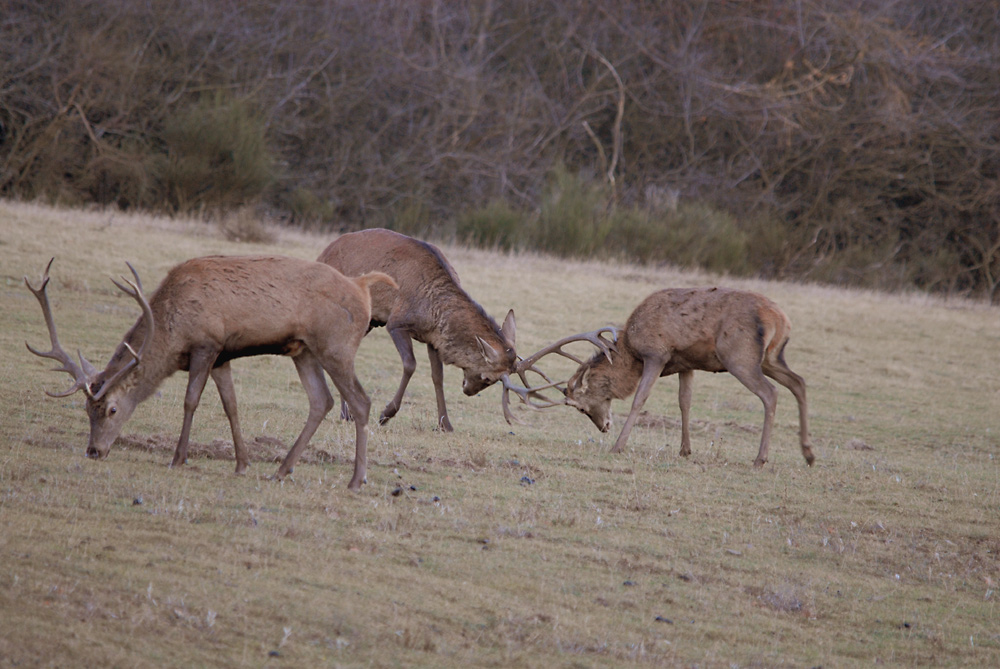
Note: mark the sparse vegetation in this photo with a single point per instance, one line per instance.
(496, 545)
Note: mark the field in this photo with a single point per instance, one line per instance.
(496, 545)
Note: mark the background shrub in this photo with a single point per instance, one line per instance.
(496, 225)
(216, 155)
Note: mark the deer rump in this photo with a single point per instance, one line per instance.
(430, 307)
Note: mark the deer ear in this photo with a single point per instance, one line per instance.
(577, 382)
(489, 353)
(509, 329)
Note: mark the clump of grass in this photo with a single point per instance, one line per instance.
(244, 225)
(308, 209)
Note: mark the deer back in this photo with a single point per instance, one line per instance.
(430, 302)
(419, 268)
(690, 327)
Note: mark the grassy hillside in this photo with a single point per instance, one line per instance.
(495, 545)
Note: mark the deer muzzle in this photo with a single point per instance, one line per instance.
(92, 452)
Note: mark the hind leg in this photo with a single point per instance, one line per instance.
(320, 403)
(753, 378)
(780, 372)
(223, 377)
(354, 394)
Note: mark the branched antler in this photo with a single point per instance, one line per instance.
(82, 373)
(532, 396)
(133, 290)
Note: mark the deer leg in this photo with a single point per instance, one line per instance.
(404, 344)
(437, 376)
(650, 372)
(198, 371)
(223, 377)
(684, 399)
(753, 379)
(320, 403)
(781, 373)
(351, 390)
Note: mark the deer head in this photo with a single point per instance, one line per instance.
(498, 362)
(109, 405)
(586, 393)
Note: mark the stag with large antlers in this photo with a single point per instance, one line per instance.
(211, 310)
(430, 307)
(679, 331)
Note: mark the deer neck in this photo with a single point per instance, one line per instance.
(146, 376)
(460, 320)
(621, 374)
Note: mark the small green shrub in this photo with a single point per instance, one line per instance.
(573, 221)
(703, 236)
(216, 155)
(413, 218)
(309, 209)
(495, 226)
(695, 235)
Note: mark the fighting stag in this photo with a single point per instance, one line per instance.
(679, 331)
(430, 307)
(209, 311)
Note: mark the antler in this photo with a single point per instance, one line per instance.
(85, 373)
(82, 373)
(524, 366)
(133, 290)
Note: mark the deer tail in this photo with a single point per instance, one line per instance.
(366, 280)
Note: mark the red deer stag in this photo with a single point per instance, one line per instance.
(430, 307)
(678, 331)
(211, 310)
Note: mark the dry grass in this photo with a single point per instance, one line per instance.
(884, 552)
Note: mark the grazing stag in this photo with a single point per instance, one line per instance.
(678, 331)
(430, 307)
(211, 310)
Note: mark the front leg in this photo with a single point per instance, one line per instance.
(404, 344)
(198, 372)
(684, 399)
(651, 370)
(437, 376)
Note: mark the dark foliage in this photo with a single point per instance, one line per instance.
(847, 141)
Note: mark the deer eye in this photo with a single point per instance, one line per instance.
(112, 411)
